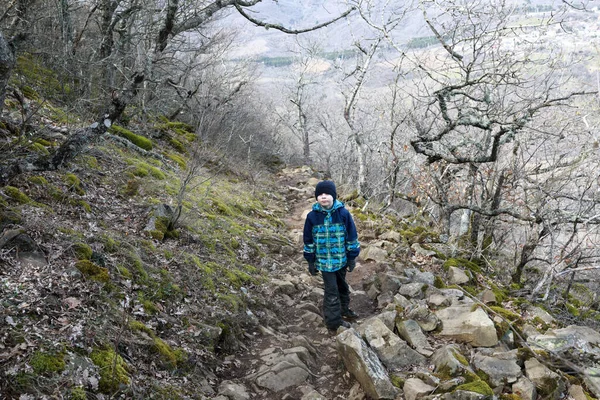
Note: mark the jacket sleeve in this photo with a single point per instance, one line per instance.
(352, 243)
(309, 245)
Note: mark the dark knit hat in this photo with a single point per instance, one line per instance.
(326, 187)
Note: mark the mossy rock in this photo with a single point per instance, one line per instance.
(8, 217)
(74, 184)
(138, 140)
(419, 234)
(171, 357)
(38, 180)
(47, 363)
(82, 251)
(461, 263)
(113, 370)
(179, 160)
(477, 386)
(93, 271)
(16, 195)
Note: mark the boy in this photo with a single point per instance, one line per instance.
(331, 246)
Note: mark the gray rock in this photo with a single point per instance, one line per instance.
(582, 339)
(402, 301)
(577, 393)
(466, 395)
(388, 318)
(373, 253)
(500, 367)
(448, 358)
(410, 331)
(457, 276)
(415, 389)
(592, 380)
(420, 251)
(544, 379)
(424, 277)
(389, 283)
(281, 286)
(412, 290)
(468, 326)
(525, 389)
(289, 372)
(392, 236)
(364, 365)
(427, 320)
(233, 391)
(392, 351)
(438, 300)
(533, 312)
(487, 297)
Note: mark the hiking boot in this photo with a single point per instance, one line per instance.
(349, 314)
(344, 324)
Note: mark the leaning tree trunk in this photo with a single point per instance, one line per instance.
(7, 63)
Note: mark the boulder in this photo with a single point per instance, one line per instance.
(392, 351)
(373, 253)
(415, 389)
(426, 319)
(364, 365)
(463, 324)
(410, 331)
(525, 389)
(449, 358)
(500, 367)
(457, 276)
(545, 380)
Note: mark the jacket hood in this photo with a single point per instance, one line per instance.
(336, 204)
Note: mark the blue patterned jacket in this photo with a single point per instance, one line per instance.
(330, 237)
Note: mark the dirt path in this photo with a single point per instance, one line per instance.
(295, 322)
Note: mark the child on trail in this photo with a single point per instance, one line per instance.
(331, 246)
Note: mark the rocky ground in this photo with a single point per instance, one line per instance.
(412, 340)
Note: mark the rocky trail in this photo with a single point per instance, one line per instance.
(416, 338)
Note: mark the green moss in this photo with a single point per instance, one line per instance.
(138, 140)
(177, 145)
(139, 326)
(110, 244)
(573, 310)
(77, 393)
(461, 263)
(460, 358)
(39, 78)
(179, 160)
(170, 356)
(16, 195)
(477, 387)
(47, 363)
(506, 314)
(82, 251)
(39, 148)
(397, 381)
(419, 234)
(501, 294)
(93, 271)
(125, 273)
(38, 180)
(439, 283)
(149, 306)
(74, 184)
(156, 173)
(548, 386)
(89, 162)
(113, 370)
(510, 397)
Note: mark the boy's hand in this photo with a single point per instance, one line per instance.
(312, 268)
(351, 264)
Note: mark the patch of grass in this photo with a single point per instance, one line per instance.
(113, 370)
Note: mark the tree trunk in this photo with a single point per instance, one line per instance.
(7, 64)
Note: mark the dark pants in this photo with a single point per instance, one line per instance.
(337, 297)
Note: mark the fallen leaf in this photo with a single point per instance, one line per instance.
(72, 302)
